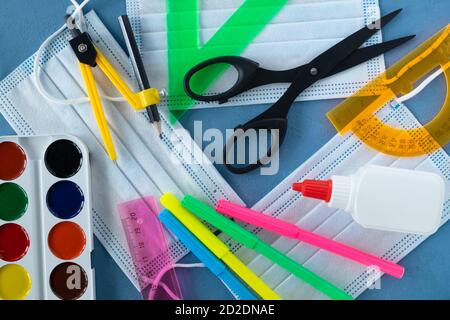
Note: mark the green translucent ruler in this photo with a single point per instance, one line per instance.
(185, 49)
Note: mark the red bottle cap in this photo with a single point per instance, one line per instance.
(317, 189)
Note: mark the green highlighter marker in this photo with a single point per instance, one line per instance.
(251, 241)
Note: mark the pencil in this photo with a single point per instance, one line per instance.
(139, 69)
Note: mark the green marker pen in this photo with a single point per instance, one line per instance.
(251, 241)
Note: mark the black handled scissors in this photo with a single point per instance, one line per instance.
(345, 55)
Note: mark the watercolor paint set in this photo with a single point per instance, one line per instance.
(46, 236)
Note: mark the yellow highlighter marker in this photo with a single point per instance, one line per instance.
(217, 247)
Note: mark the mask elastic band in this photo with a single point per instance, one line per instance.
(421, 87)
(78, 17)
(156, 282)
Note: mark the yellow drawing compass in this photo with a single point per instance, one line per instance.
(90, 57)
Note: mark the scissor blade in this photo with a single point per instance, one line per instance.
(328, 60)
(365, 54)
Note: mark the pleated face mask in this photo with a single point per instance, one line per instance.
(146, 165)
(342, 155)
(279, 34)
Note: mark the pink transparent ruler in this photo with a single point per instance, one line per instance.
(148, 247)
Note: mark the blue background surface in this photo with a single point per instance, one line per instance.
(24, 25)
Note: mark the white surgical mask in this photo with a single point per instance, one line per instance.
(144, 166)
(342, 155)
(300, 32)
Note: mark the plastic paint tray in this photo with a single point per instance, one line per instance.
(45, 224)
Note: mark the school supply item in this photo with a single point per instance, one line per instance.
(342, 155)
(358, 113)
(22, 108)
(139, 70)
(216, 246)
(345, 55)
(90, 57)
(205, 256)
(252, 242)
(145, 166)
(384, 198)
(292, 231)
(146, 242)
(46, 238)
(176, 35)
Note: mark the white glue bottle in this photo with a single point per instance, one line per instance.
(384, 198)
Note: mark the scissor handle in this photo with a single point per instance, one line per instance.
(280, 124)
(246, 69)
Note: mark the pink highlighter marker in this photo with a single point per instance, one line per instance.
(289, 230)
